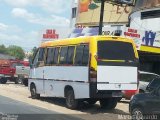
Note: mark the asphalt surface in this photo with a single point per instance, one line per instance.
(14, 110)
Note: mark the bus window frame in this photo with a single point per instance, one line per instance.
(59, 48)
(63, 64)
(73, 55)
(59, 54)
(35, 54)
(82, 44)
(39, 63)
(47, 48)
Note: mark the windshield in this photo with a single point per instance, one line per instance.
(155, 83)
(16, 64)
(115, 50)
(147, 77)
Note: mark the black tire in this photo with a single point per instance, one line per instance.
(33, 91)
(25, 81)
(119, 99)
(16, 80)
(137, 114)
(91, 101)
(108, 103)
(3, 80)
(71, 102)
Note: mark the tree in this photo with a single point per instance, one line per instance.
(16, 51)
(33, 51)
(3, 49)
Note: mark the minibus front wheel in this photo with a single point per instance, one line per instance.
(33, 91)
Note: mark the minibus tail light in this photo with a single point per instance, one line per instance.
(97, 59)
(93, 75)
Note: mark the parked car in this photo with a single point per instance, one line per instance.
(7, 70)
(145, 105)
(23, 72)
(144, 79)
(153, 84)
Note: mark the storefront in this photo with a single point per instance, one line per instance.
(144, 21)
(146, 17)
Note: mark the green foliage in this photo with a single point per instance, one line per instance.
(13, 50)
(3, 49)
(16, 51)
(33, 51)
(93, 6)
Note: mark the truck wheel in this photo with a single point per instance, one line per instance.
(71, 102)
(16, 80)
(34, 94)
(109, 103)
(3, 80)
(25, 81)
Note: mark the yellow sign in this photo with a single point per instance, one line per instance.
(89, 13)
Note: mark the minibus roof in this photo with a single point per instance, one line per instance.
(83, 39)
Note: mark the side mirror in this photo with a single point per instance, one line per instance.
(31, 65)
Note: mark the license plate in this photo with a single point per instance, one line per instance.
(117, 94)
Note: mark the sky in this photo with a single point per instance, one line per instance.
(22, 20)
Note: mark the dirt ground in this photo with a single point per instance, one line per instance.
(86, 112)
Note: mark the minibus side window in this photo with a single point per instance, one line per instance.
(35, 60)
(50, 56)
(41, 57)
(70, 55)
(85, 55)
(79, 55)
(41, 54)
(55, 60)
(63, 55)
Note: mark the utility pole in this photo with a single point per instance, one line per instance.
(101, 17)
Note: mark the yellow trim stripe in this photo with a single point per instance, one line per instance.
(150, 49)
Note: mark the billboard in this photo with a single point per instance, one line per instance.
(49, 34)
(141, 38)
(89, 13)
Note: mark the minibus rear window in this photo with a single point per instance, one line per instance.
(115, 50)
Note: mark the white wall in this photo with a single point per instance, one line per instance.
(145, 24)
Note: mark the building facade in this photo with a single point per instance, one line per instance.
(141, 23)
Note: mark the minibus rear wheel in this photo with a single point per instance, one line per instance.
(108, 103)
(33, 91)
(71, 102)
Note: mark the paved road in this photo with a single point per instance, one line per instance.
(12, 109)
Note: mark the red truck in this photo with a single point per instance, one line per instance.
(8, 70)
